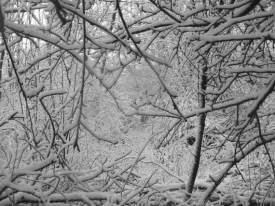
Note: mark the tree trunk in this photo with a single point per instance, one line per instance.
(200, 131)
(1, 68)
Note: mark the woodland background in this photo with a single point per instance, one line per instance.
(137, 102)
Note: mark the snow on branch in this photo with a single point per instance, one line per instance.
(51, 93)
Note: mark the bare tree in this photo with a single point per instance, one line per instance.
(220, 53)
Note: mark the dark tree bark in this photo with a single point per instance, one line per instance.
(2, 54)
(200, 130)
